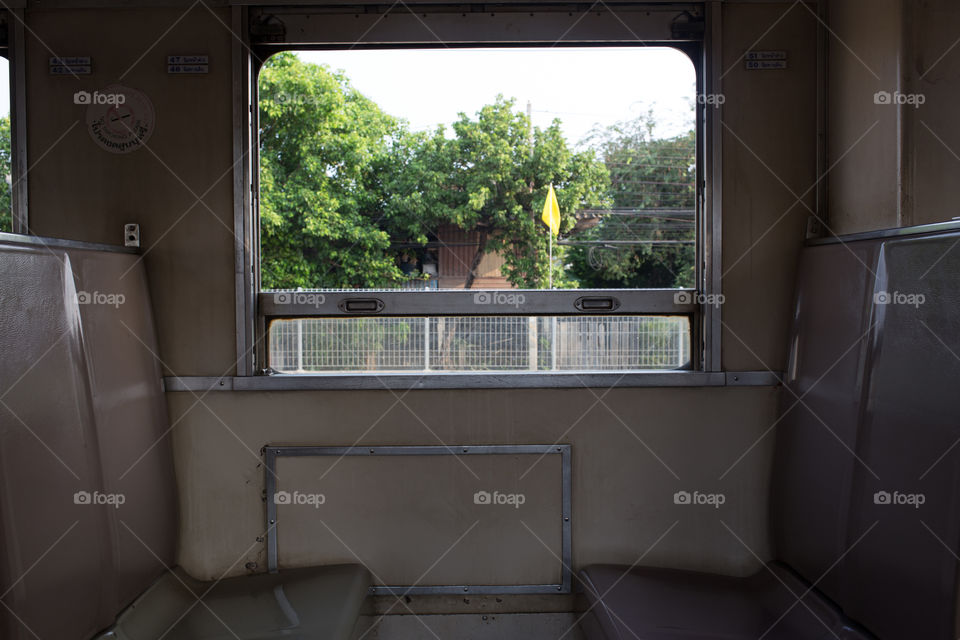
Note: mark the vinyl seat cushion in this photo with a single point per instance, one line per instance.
(296, 604)
(668, 604)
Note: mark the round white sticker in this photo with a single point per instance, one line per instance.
(119, 119)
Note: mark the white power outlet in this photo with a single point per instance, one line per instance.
(814, 228)
(131, 235)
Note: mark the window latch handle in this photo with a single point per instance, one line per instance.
(361, 305)
(605, 303)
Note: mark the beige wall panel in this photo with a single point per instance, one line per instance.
(769, 151)
(934, 73)
(902, 172)
(415, 518)
(79, 191)
(864, 189)
(626, 450)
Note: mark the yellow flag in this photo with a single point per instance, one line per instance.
(551, 212)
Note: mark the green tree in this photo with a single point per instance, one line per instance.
(6, 223)
(321, 208)
(492, 177)
(343, 184)
(653, 188)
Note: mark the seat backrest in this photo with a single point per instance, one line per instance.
(130, 414)
(866, 487)
(901, 578)
(88, 512)
(813, 461)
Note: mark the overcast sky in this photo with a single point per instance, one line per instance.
(581, 86)
(4, 87)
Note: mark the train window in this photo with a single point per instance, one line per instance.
(478, 208)
(6, 153)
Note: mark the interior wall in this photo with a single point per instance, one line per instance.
(933, 71)
(769, 174)
(892, 164)
(632, 450)
(623, 496)
(179, 187)
(864, 147)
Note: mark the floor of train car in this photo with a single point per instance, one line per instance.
(528, 626)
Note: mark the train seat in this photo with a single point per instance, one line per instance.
(668, 604)
(864, 501)
(88, 507)
(311, 602)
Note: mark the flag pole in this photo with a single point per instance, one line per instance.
(550, 263)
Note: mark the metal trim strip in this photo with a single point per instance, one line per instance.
(493, 380)
(63, 243)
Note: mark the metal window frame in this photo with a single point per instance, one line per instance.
(712, 191)
(272, 453)
(246, 220)
(470, 302)
(16, 47)
(254, 308)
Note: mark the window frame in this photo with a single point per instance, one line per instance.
(13, 49)
(256, 309)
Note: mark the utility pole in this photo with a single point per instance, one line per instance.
(530, 130)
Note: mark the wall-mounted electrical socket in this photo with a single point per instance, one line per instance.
(131, 235)
(814, 228)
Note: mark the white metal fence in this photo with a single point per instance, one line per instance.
(581, 343)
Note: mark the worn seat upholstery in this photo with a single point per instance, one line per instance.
(312, 602)
(665, 604)
(82, 415)
(865, 498)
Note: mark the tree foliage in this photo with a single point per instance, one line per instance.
(646, 173)
(6, 207)
(346, 190)
(321, 208)
(498, 169)
(342, 183)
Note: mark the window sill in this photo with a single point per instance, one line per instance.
(469, 380)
